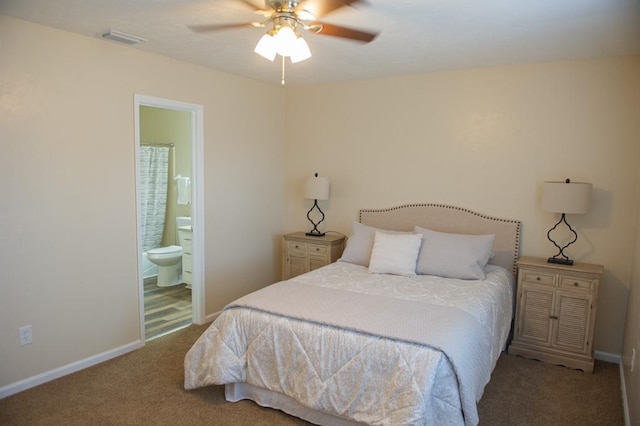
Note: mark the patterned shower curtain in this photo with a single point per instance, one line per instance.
(154, 183)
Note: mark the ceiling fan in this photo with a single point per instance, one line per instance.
(285, 18)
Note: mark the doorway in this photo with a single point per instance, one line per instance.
(167, 308)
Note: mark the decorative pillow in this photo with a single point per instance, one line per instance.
(453, 255)
(395, 253)
(359, 244)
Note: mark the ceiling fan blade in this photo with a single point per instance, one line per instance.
(320, 8)
(338, 31)
(261, 11)
(250, 4)
(216, 27)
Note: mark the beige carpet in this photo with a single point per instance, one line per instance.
(145, 388)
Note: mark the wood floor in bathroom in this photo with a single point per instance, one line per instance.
(165, 308)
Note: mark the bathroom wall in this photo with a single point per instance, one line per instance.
(160, 125)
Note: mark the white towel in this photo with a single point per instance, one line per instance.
(184, 189)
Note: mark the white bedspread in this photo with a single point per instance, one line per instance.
(354, 374)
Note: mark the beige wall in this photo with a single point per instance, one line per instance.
(484, 139)
(632, 331)
(68, 210)
(166, 126)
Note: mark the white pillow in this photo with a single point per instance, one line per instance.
(359, 244)
(395, 253)
(453, 255)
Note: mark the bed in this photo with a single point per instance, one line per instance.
(390, 334)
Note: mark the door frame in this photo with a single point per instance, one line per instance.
(197, 200)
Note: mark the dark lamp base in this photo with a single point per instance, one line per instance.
(313, 234)
(560, 261)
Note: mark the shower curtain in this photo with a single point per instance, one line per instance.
(154, 184)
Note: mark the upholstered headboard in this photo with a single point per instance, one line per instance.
(443, 218)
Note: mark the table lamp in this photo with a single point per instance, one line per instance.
(316, 188)
(566, 198)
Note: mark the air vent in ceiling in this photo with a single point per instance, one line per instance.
(122, 37)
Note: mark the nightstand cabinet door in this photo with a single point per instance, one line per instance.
(296, 264)
(534, 323)
(303, 253)
(316, 262)
(574, 321)
(555, 312)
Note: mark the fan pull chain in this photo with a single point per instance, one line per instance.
(283, 60)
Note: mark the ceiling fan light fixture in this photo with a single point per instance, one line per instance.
(301, 51)
(285, 41)
(266, 47)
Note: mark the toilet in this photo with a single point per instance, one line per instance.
(169, 259)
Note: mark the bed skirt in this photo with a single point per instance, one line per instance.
(235, 392)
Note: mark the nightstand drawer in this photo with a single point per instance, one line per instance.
(296, 247)
(578, 283)
(536, 277)
(318, 250)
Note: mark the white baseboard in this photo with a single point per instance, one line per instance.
(56, 373)
(607, 357)
(212, 317)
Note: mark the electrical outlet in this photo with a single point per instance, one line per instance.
(25, 335)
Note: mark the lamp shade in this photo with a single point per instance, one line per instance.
(566, 197)
(316, 188)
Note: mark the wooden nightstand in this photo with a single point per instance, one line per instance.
(556, 312)
(303, 253)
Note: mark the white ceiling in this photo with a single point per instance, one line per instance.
(416, 36)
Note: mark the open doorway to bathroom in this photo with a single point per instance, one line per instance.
(168, 136)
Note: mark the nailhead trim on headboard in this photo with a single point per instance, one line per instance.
(516, 222)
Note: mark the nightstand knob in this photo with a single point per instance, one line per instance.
(297, 246)
(553, 317)
(317, 249)
(576, 284)
(537, 278)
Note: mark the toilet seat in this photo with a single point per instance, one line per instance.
(164, 252)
